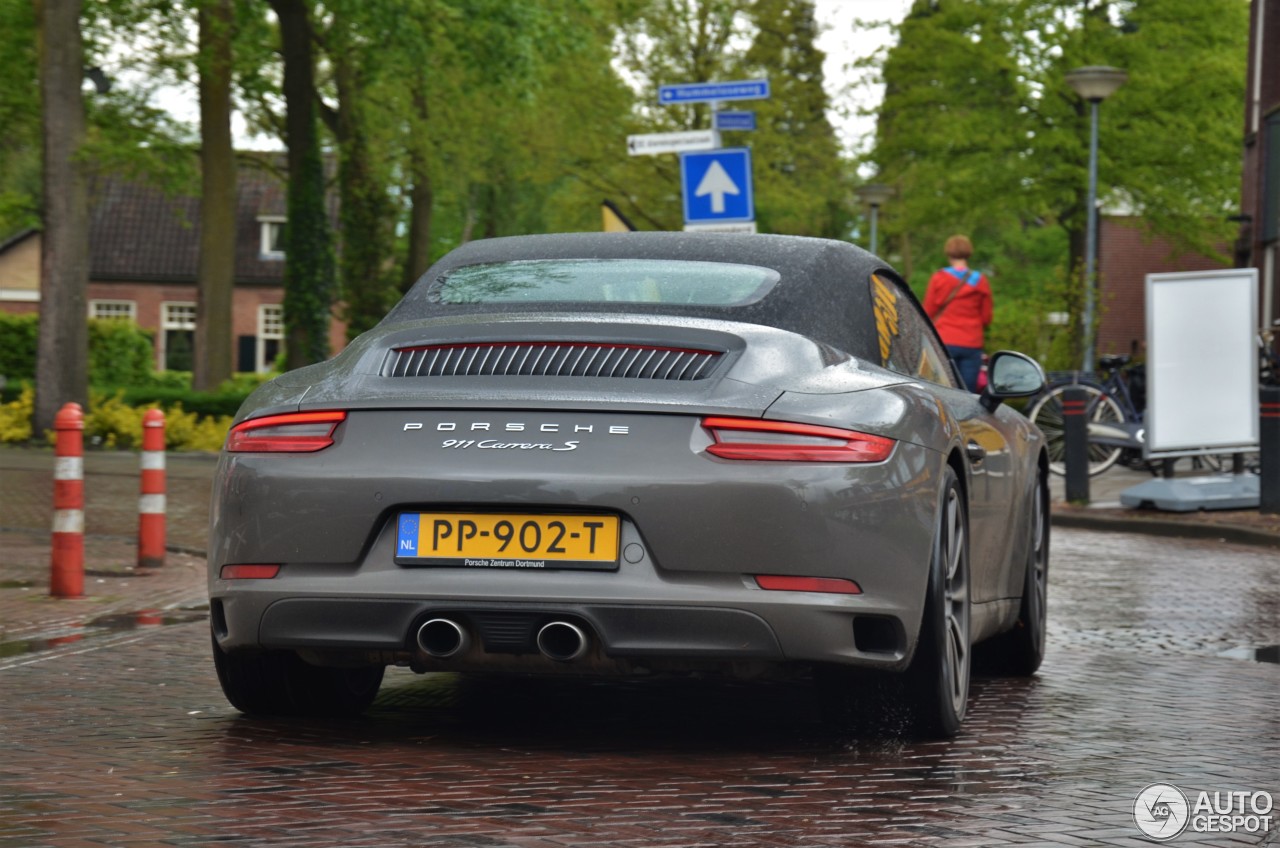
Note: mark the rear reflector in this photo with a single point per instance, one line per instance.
(294, 432)
(780, 441)
(829, 585)
(248, 572)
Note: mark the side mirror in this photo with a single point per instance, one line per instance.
(1011, 375)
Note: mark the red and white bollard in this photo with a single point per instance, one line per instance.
(66, 578)
(151, 503)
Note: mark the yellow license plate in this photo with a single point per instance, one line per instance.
(493, 540)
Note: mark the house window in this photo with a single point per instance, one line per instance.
(113, 309)
(270, 335)
(273, 233)
(178, 335)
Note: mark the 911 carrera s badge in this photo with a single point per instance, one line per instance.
(495, 444)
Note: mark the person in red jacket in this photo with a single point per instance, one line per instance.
(959, 302)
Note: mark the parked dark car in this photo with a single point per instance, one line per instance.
(632, 453)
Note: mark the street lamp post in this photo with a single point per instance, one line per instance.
(1093, 83)
(874, 195)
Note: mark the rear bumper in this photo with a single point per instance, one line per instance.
(694, 532)
(639, 611)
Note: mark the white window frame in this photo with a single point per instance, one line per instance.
(270, 326)
(113, 309)
(266, 223)
(168, 323)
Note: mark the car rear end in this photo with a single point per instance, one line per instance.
(541, 492)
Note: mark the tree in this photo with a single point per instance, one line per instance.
(672, 41)
(356, 41)
(62, 350)
(799, 180)
(309, 267)
(980, 133)
(19, 118)
(215, 277)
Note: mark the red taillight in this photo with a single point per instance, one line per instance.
(248, 572)
(780, 441)
(294, 432)
(830, 585)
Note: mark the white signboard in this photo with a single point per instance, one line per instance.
(740, 227)
(1202, 362)
(672, 142)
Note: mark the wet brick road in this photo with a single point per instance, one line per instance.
(124, 739)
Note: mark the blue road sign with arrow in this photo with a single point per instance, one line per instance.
(717, 186)
(708, 92)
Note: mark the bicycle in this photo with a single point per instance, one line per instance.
(1114, 405)
(1115, 409)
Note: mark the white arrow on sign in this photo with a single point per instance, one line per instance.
(717, 183)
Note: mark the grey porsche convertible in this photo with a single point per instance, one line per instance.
(633, 453)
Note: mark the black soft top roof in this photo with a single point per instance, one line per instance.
(823, 292)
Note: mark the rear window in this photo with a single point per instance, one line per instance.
(605, 281)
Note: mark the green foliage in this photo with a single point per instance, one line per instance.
(120, 353)
(801, 185)
(980, 134)
(15, 416)
(19, 118)
(18, 346)
(225, 401)
(309, 283)
(114, 421)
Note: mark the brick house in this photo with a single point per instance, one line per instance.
(143, 250)
(1258, 243)
(1127, 252)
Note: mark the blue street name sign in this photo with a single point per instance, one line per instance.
(733, 121)
(717, 186)
(707, 92)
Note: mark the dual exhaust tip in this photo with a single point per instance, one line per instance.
(561, 641)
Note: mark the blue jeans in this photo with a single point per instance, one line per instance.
(968, 361)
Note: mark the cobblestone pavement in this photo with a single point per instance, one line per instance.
(116, 591)
(125, 739)
(114, 731)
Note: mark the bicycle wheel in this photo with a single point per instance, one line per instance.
(1046, 413)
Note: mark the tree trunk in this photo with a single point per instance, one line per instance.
(308, 273)
(365, 207)
(215, 278)
(422, 198)
(62, 352)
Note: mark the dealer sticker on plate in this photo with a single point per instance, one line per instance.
(492, 540)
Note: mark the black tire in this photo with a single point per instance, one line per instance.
(1019, 652)
(279, 683)
(938, 677)
(1046, 413)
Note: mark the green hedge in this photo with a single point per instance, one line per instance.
(18, 346)
(120, 352)
(225, 401)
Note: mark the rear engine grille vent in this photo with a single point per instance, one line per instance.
(552, 359)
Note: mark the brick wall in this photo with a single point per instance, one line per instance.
(151, 297)
(1127, 252)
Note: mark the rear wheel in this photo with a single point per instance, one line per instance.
(280, 683)
(1020, 651)
(1046, 413)
(938, 677)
